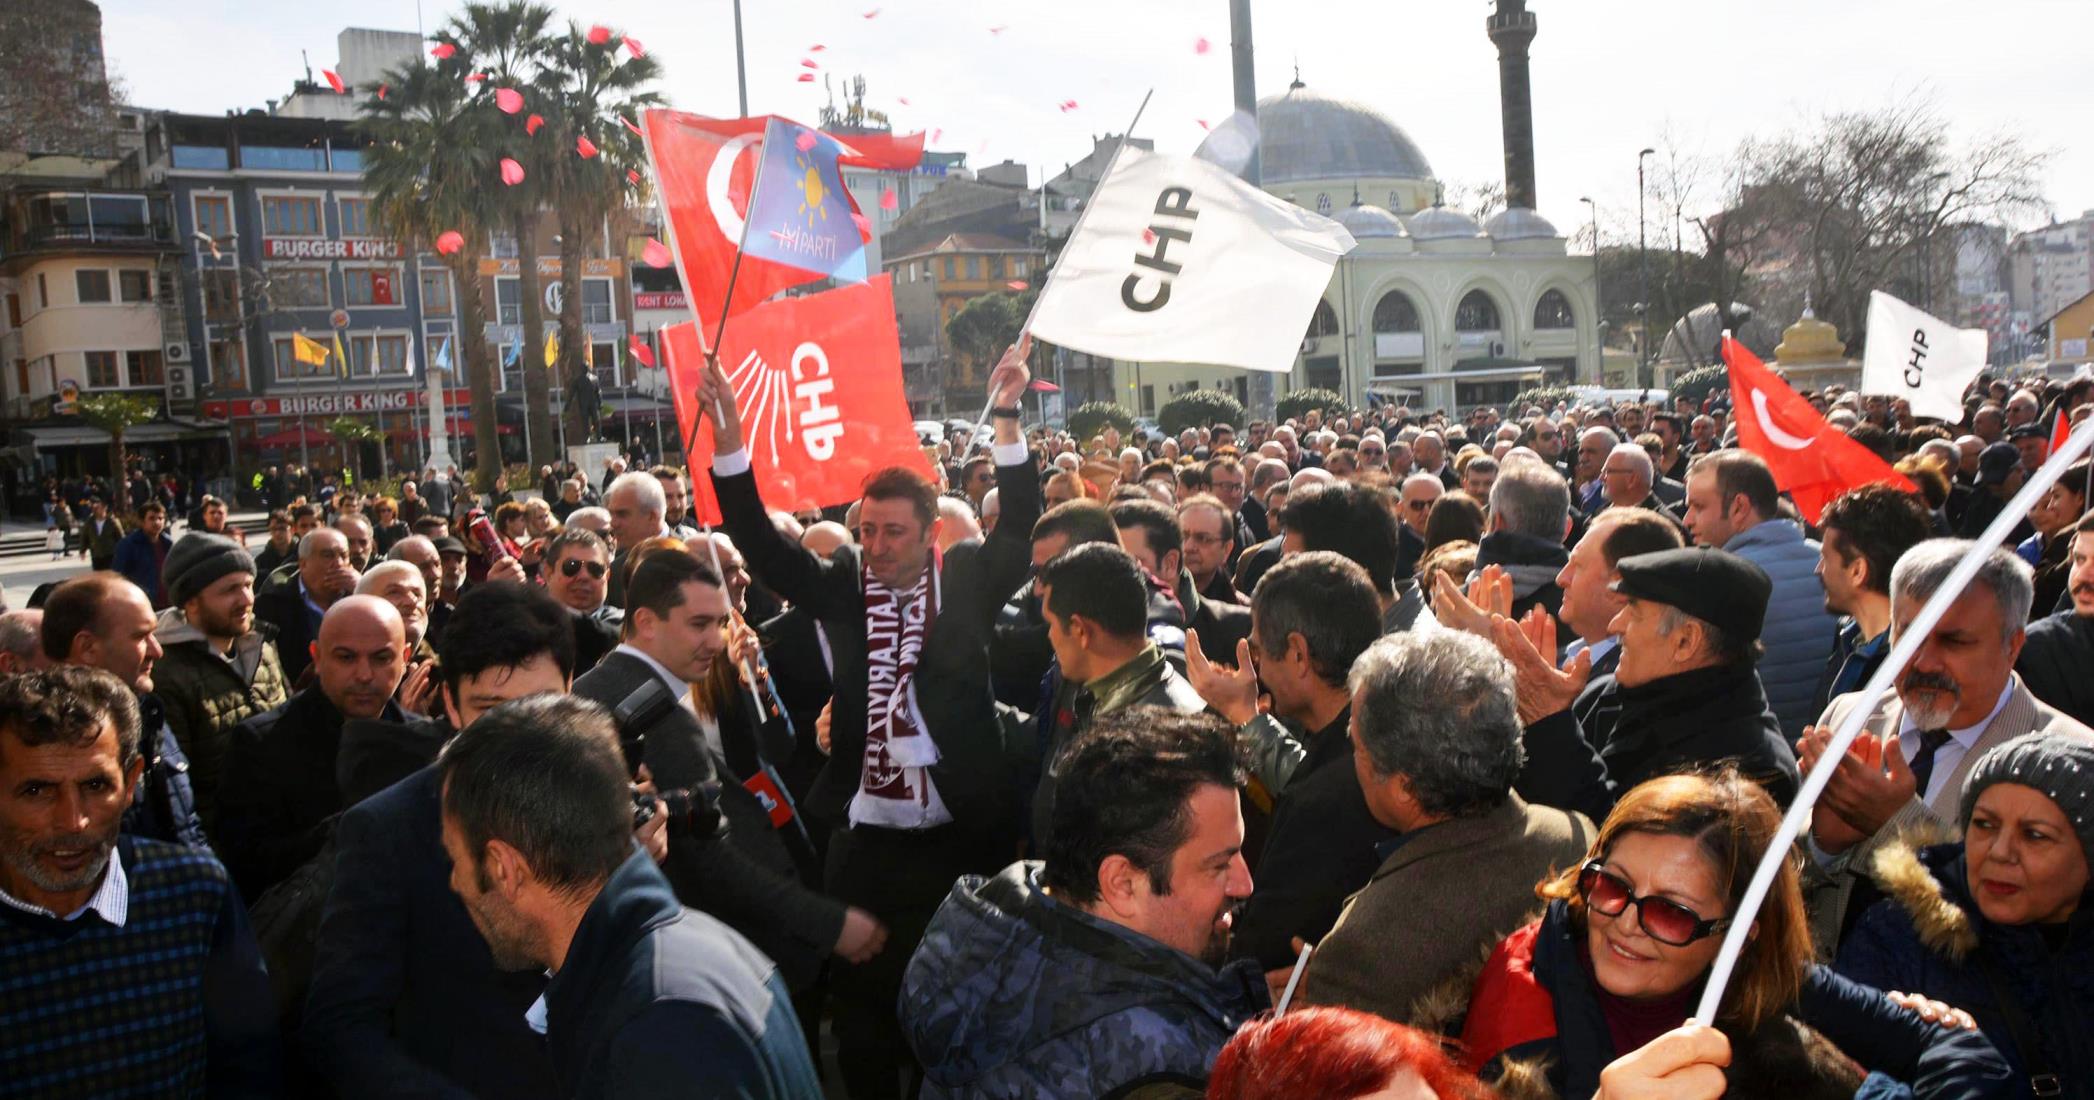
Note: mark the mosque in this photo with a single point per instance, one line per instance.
(1431, 309)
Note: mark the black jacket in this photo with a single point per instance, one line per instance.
(2056, 661)
(595, 636)
(1148, 680)
(282, 605)
(1613, 738)
(792, 645)
(279, 794)
(405, 998)
(1324, 845)
(1220, 624)
(656, 1000)
(952, 672)
(376, 754)
(744, 873)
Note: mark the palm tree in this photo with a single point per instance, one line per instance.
(589, 93)
(507, 42)
(351, 434)
(433, 152)
(116, 413)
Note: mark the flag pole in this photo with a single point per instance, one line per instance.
(1073, 230)
(712, 351)
(1910, 638)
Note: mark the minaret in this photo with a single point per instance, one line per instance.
(1512, 29)
(1246, 80)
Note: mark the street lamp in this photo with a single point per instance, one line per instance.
(1643, 373)
(1599, 309)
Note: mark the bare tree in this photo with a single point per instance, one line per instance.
(56, 95)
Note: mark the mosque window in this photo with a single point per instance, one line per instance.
(1324, 322)
(1396, 313)
(1323, 203)
(1553, 311)
(1476, 313)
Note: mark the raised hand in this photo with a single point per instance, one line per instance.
(1543, 689)
(1232, 692)
(1007, 382)
(716, 401)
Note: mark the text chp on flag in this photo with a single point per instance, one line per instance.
(1919, 357)
(1177, 260)
(818, 382)
(1811, 460)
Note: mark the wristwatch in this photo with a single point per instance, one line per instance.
(1010, 411)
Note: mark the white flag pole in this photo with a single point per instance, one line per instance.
(1073, 231)
(1910, 637)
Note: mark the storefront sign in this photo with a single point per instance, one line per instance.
(308, 248)
(665, 299)
(329, 404)
(549, 267)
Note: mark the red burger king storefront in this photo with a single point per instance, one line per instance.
(292, 429)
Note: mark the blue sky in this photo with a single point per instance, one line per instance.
(1610, 76)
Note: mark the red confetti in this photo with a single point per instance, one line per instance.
(936, 134)
(902, 99)
(808, 63)
(512, 172)
(806, 78)
(635, 129)
(335, 82)
(632, 176)
(509, 100)
(865, 229)
(532, 123)
(1067, 105)
(442, 51)
(475, 78)
(889, 200)
(449, 241)
(1202, 122)
(640, 350)
(382, 89)
(584, 146)
(656, 254)
(1201, 46)
(872, 13)
(816, 48)
(1148, 236)
(1017, 284)
(633, 46)
(599, 34)
(805, 141)
(998, 30)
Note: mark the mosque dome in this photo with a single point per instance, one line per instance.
(1306, 136)
(1368, 221)
(1518, 223)
(1440, 223)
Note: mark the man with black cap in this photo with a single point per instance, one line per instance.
(216, 669)
(1685, 694)
(2000, 475)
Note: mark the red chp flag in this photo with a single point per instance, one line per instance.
(1812, 460)
(705, 173)
(818, 381)
(2059, 433)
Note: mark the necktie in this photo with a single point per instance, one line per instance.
(1931, 742)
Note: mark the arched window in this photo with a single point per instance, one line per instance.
(1395, 203)
(1476, 313)
(1396, 313)
(1554, 311)
(1324, 322)
(1323, 204)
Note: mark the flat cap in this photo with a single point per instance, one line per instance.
(449, 545)
(1715, 586)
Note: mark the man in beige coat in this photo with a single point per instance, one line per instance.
(1436, 745)
(1957, 699)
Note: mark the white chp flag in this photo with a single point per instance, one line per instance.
(1178, 261)
(1919, 357)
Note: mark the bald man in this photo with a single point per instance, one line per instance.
(418, 551)
(295, 597)
(401, 584)
(825, 538)
(280, 790)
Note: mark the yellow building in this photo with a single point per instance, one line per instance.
(2072, 333)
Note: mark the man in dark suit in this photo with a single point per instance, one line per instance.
(677, 616)
(405, 998)
(931, 800)
(295, 604)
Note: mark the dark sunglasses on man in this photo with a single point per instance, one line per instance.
(572, 566)
(1666, 921)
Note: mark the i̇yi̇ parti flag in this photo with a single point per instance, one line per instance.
(1812, 461)
(552, 346)
(705, 171)
(307, 350)
(341, 358)
(800, 215)
(1919, 357)
(818, 381)
(1177, 260)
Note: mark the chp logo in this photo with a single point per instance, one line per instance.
(793, 401)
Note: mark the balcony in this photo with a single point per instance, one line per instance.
(56, 222)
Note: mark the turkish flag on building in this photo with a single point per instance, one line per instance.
(1812, 460)
(705, 173)
(818, 381)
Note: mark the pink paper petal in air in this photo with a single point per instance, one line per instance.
(442, 51)
(599, 34)
(816, 48)
(998, 30)
(872, 13)
(334, 81)
(632, 46)
(1201, 45)
(1202, 122)
(808, 63)
(532, 123)
(632, 176)
(936, 134)
(806, 78)
(509, 100)
(656, 254)
(629, 125)
(805, 141)
(902, 99)
(382, 89)
(640, 350)
(449, 241)
(512, 172)
(475, 78)
(584, 146)
(889, 200)
(1148, 236)
(1017, 284)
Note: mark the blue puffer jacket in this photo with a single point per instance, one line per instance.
(1013, 994)
(1929, 937)
(1798, 631)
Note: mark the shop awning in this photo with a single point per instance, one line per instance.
(458, 425)
(289, 437)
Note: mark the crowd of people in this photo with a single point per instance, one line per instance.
(1365, 754)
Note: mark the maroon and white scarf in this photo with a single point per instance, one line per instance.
(894, 783)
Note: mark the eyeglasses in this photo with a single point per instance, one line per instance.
(572, 566)
(1201, 538)
(1420, 505)
(1372, 452)
(1667, 922)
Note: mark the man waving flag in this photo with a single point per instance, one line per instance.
(1812, 460)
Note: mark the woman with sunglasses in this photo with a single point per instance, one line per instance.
(1621, 953)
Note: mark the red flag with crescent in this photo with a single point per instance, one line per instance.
(818, 380)
(705, 173)
(1812, 460)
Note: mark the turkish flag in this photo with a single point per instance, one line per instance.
(705, 172)
(1812, 460)
(2059, 433)
(818, 380)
